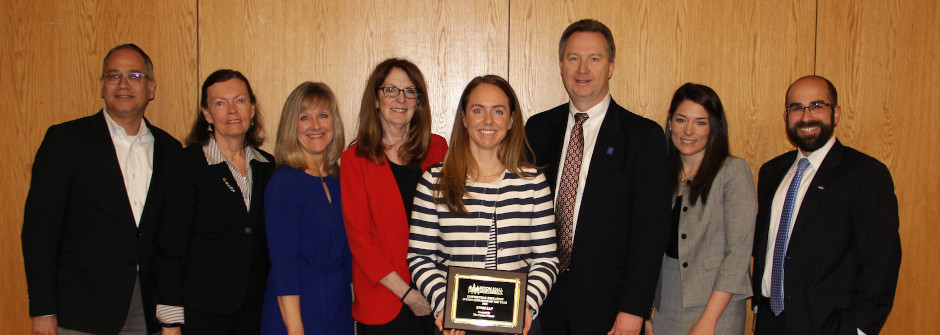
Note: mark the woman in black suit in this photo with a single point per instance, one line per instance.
(215, 260)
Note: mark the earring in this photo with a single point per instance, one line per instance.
(252, 121)
(209, 129)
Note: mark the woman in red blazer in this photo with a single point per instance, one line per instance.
(380, 172)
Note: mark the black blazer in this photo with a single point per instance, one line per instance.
(81, 247)
(212, 247)
(624, 217)
(844, 253)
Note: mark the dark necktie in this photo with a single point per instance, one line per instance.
(780, 245)
(568, 191)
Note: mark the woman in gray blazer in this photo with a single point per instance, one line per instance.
(705, 279)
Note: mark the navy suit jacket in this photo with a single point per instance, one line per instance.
(81, 246)
(842, 262)
(623, 220)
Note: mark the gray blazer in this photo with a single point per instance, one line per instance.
(718, 237)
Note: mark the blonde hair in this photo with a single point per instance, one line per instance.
(287, 149)
(452, 183)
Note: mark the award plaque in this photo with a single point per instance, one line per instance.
(485, 301)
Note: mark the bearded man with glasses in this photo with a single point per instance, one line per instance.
(826, 246)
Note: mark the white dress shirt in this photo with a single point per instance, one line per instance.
(135, 155)
(591, 128)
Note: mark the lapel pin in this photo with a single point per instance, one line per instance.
(230, 188)
(821, 187)
(610, 150)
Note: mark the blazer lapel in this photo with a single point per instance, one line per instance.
(775, 178)
(223, 182)
(606, 160)
(158, 179)
(817, 187)
(259, 173)
(559, 124)
(765, 199)
(102, 148)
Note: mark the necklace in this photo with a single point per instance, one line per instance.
(477, 177)
(686, 177)
(490, 175)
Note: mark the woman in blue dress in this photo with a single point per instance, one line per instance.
(309, 284)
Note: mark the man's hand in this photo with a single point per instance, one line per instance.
(171, 331)
(45, 325)
(626, 324)
(649, 326)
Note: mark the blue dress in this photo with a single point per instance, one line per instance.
(309, 253)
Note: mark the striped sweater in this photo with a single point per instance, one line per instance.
(525, 234)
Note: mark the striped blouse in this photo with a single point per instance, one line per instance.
(524, 225)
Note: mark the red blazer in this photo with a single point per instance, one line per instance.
(377, 229)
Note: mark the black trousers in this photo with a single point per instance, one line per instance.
(555, 314)
(767, 323)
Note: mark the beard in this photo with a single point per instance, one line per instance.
(812, 143)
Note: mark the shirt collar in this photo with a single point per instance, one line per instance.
(214, 154)
(116, 130)
(594, 112)
(816, 157)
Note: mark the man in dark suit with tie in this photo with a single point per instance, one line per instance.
(607, 168)
(826, 247)
(91, 213)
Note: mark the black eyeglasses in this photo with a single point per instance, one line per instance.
(814, 108)
(134, 78)
(392, 92)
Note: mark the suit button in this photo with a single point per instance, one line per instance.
(683, 236)
(138, 235)
(685, 264)
(685, 209)
(248, 230)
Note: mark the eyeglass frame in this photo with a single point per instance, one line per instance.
(814, 107)
(115, 77)
(399, 91)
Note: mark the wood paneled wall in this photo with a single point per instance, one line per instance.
(278, 45)
(51, 55)
(731, 46)
(883, 58)
(881, 55)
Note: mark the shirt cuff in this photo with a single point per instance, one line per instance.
(170, 315)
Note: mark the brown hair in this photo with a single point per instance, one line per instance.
(199, 133)
(716, 149)
(287, 149)
(588, 25)
(369, 137)
(452, 184)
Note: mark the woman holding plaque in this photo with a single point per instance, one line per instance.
(705, 280)
(486, 206)
(380, 170)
